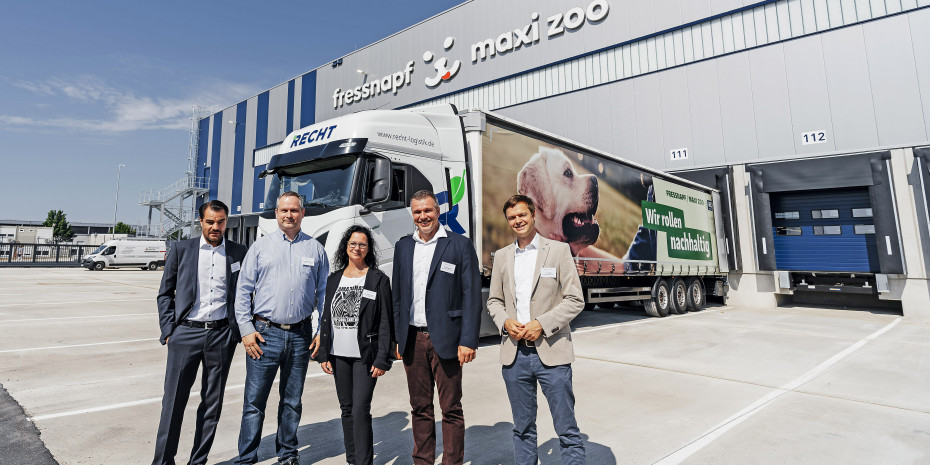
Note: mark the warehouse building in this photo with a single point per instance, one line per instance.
(812, 117)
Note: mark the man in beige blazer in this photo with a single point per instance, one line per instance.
(535, 293)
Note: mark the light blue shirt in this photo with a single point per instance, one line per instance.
(286, 281)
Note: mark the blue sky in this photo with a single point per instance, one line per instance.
(85, 86)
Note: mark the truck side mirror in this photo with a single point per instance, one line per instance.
(380, 181)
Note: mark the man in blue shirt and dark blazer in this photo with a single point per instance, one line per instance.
(197, 320)
(436, 290)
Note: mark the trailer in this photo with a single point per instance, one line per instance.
(636, 234)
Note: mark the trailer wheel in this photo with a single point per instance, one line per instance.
(679, 294)
(153, 266)
(695, 295)
(658, 306)
(98, 266)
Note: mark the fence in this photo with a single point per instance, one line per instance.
(35, 255)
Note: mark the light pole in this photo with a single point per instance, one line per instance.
(116, 206)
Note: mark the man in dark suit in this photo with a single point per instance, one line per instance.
(436, 290)
(195, 312)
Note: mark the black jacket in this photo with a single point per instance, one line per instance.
(453, 294)
(375, 322)
(179, 285)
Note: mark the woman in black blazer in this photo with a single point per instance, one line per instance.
(356, 329)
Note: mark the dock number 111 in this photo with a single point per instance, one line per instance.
(813, 137)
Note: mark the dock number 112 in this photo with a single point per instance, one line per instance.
(813, 137)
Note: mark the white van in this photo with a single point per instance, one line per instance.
(145, 254)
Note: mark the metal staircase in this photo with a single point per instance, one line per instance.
(174, 213)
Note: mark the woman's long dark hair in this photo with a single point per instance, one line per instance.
(341, 259)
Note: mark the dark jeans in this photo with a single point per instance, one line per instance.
(355, 388)
(188, 349)
(520, 377)
(289, 351)
(425, 370)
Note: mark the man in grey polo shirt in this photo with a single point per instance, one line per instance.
(282, 282)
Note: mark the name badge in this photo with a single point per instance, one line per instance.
(547, 272)
(234, 267)
(366, 294)
(308, 261)
(447, 267)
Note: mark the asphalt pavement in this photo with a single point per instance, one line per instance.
(727, 385)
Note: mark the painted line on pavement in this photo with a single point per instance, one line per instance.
(78, 317)
(693, 447)
(151, 400)
(76, 345)
(33, 304)
(650, 320)
(154, 400)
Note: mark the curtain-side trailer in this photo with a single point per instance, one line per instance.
(636, 234)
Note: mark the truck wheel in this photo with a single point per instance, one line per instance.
(153, 266)
(695, 295)
(679, 294)
(658, 306)
(98, 266)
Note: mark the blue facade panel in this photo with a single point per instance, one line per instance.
(214, 173)
(261, 140)
(809, 238)
(290, 106)
(308, 99)
(239, 159)
(201, 162)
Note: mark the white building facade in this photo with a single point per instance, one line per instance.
(811, 116)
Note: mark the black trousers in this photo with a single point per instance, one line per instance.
(188, 350)
(355, 387)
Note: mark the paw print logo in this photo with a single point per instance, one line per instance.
(443, 72)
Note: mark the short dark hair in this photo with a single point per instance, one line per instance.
(519, 198)
(341, 258)
(422, 194)
(214, 205)
(300, 198)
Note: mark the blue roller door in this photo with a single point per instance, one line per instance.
(824, 230)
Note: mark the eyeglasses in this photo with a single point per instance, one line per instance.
(358, 245)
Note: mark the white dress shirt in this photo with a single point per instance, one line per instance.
(524, 267)
(210, 302)
(422, 258)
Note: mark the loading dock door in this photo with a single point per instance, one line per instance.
(824, 230)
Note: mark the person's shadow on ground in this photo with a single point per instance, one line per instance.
(484, 444)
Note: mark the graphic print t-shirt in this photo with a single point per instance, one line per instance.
(346, 303)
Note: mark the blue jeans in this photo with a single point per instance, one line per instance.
(289, 351)
(520, 377)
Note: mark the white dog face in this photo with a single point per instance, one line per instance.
(565, 200)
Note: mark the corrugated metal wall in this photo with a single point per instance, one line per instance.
(740, 81)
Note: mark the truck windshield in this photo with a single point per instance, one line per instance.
(323, 185)
(99, 249)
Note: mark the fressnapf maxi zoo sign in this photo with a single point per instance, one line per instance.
(507, 42)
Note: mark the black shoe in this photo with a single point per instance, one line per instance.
(291, 461)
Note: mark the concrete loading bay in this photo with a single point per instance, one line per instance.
(727, 385)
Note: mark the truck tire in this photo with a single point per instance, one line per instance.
(695, 295)
(99, 266)
(658, 306)
(153, 266)
(679, 296)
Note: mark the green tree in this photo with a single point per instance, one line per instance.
(123, 228)
(61, 229)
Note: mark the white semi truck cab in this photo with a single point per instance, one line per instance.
(363, 168)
